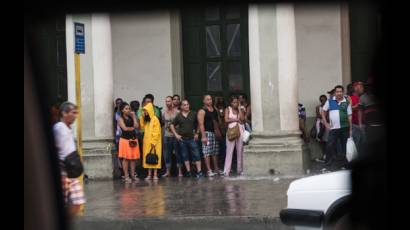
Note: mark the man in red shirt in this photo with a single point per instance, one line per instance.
(358, 133)
(354, 102)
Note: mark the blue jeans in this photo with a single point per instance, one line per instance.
(189, 145)
(339, 149)
(170, 145)
(358, 137)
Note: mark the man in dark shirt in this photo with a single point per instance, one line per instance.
(370, 118)
(184, 127)
(210, 134)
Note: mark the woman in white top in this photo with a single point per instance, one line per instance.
(234, 116)
(319, 109)
(321, 131)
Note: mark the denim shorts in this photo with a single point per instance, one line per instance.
(187, 146)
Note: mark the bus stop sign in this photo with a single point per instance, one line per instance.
(79, 38)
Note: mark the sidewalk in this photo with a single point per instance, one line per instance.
(185, 203)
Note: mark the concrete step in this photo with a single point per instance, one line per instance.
(271, 151)
(96, 151)
(270, 148)
(267, 161)
(276, 134)
(98, 166)
(98, 159)
(268, 144)
(290, 141)
(98, 144)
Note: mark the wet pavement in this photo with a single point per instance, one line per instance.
(185, 203)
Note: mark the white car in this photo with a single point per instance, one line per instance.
(318, 202)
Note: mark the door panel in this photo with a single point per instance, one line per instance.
(215, 52)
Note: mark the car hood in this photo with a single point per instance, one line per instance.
(330, 181)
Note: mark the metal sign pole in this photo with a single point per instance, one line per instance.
(79, 121)
(79, 48)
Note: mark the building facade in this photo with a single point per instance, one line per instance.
(278, 54)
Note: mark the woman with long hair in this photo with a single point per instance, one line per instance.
(128, 144)
(234, 117)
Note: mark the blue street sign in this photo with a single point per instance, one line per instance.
(79, 38)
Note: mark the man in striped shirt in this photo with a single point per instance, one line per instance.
(340, 117)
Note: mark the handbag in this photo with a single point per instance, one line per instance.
(152, 157)
(234, 132)
(133, 143)
(73, 165)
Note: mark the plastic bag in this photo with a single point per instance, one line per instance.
(351, 150)
(246, 136)
(248, 127)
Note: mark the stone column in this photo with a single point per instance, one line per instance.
(345, 40)
(176, 52)
(287, 68)
(96, 90)
(276, 146)
(97, 148)
(103, 76)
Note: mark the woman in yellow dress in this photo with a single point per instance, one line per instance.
(152, 138)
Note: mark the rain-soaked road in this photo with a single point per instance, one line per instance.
(185, 203)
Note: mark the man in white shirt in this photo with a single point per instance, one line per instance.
(65, 143)
(340, 117)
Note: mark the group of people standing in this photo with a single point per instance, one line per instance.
(131, 124)
(341, 116)
(177, 130)
(145, 135)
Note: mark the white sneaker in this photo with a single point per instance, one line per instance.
(128, 180)
(211, 174)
